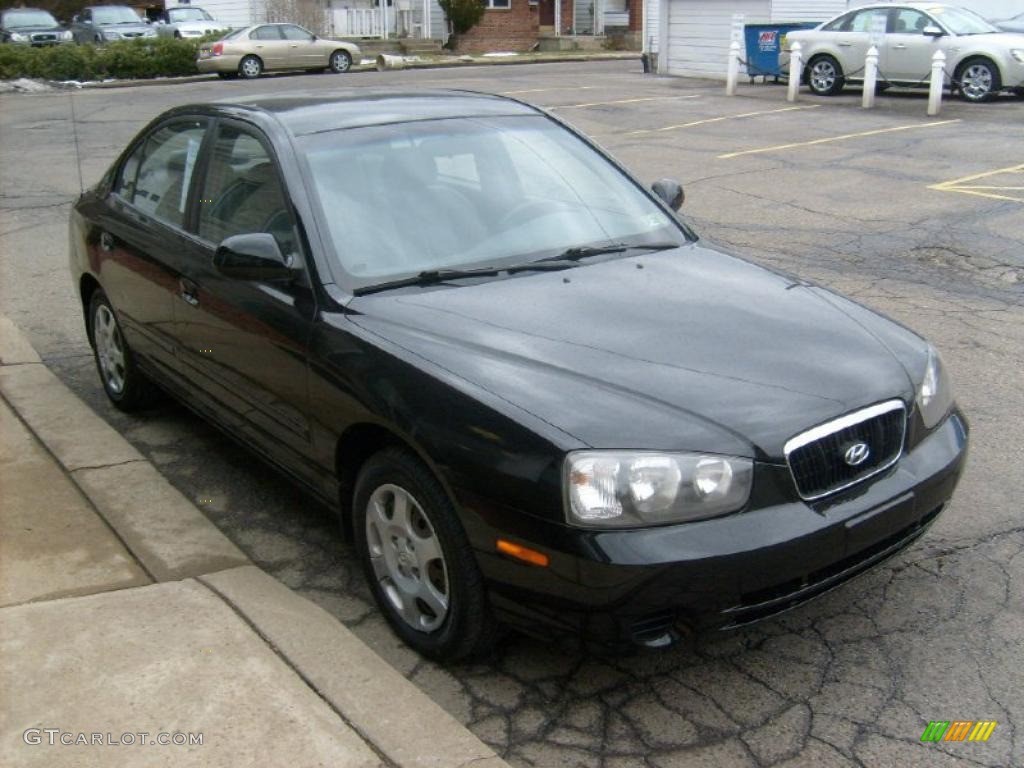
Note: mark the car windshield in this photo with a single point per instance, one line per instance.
(115, 14)
(961, 21)
(188, 14)
(464, 193)
(17, 19)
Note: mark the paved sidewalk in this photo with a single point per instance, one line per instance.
(132, 632)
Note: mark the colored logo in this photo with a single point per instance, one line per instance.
(768, 40)
(857, 454)
(958, 730)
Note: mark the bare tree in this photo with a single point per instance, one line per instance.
(311, 14)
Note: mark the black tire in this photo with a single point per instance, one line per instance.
(136, 391)
(824, 76)
(467, 629)
(250, 67)
(177, 35)
(978, 80)
(340, 62)
(1019, 93)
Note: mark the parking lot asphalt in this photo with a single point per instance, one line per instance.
(921, 218)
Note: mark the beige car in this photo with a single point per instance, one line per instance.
(251, 51)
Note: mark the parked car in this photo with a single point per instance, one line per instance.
(251, 51)
(31, 26)
(531, 392)
(1015, 24)
(105, 23)
(981, 60)
(188, 21)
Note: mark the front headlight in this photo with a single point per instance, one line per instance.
(1018, 54)
(149, 33)
(18, 37)
(626, 489)
(111, 35)
(935, 395)
(66, 35)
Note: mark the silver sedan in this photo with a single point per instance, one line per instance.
(981, 61)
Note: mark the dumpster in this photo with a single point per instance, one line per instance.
(764, 43)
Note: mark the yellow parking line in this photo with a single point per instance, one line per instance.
(964, 187)
(623, 101)
(707, 120)
(546, 90)
(830, 139)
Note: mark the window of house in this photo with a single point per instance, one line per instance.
(242, 192)
(165, 171)
(498, 4)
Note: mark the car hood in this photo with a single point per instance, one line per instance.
(126, 26)
(1006, 40)
(34, 29)
(197, 26)
(689, 349)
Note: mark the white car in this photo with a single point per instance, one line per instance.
(188, 21)
(981, 61)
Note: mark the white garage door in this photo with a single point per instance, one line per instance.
(806, 10)
(652, 15)
(698, 34)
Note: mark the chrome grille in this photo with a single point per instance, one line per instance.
(817, 457)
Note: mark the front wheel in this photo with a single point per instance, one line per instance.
(978, 80)
(418, 561)
(825, 76)
(126, 386)
(341, 61)
(250, 67)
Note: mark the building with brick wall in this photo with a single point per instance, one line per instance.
(507, 25)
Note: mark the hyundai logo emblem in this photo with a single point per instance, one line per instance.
(857, 454)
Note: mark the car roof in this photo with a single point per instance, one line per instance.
(307, 113)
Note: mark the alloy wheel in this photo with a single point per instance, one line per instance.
(823, 76)
(109, 349)
(407, 558)
(340, 62)
(976, 81)
(251, 67)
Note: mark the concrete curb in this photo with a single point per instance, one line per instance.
(425, 64)
(408, 727)
(174, 541)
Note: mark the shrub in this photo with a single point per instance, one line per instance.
(124, 59)
(463, 14)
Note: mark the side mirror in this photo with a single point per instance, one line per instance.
(932, 31)
(670, 191)
(252, 256)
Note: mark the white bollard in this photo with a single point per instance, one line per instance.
(733, 72)
(937, 81)
(870, 78)
(796, 72)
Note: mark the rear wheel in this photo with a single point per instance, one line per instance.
(825, 76)
(126, 386)
(978, 80)
(250, 67)
(417, 559)
(341, 61)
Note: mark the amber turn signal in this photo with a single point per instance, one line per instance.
(519, 552)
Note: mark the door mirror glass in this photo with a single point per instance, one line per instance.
(252, 256)
(670, 191)
(932, 31)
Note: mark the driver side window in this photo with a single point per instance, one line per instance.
(242, 192)
(910, 22)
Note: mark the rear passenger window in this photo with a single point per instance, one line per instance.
(165, 171)
(269, 32)
(242, 192)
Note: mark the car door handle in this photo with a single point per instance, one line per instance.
(900, 47)
(843, 44)
(189, 292)
(106, 241)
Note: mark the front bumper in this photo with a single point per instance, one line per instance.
(649, 586)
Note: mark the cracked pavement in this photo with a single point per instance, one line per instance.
(851, 679)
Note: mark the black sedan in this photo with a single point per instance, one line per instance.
(32, 26)
(534, 396)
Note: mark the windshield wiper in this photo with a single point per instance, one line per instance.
(429, 277)
(579, 252)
